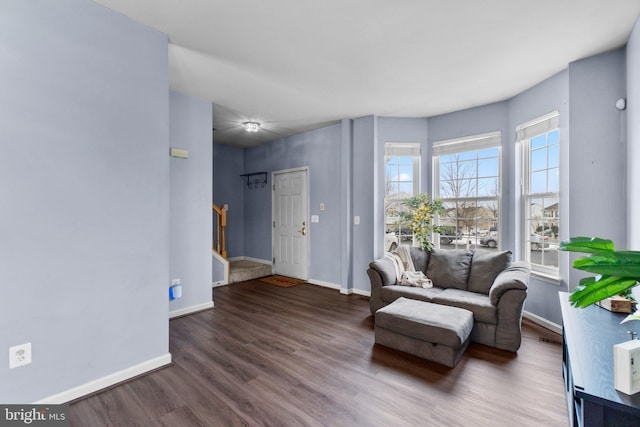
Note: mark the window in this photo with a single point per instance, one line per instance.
(467, 180)
(401, 180)
(540, 188)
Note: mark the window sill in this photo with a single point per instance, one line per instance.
(545, 277)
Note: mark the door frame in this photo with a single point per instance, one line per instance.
(305, 169)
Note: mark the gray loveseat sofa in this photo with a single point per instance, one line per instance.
(486, 283)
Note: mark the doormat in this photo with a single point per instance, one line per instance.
(282, 281)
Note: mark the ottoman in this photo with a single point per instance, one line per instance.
(431, 331)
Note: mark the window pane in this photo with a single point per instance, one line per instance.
(489, 152)
(553, 180)
(539, 141)
(553, 156)
(553, 137)
(538, 160)
(406, 173)
(487, 187)
(405, 160)
(538, 182)
(467, 155)
(447, 158)
(488, 167)
(406, 189)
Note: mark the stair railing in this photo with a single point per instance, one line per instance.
(220, 218)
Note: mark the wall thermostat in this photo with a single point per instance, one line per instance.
(621, 104)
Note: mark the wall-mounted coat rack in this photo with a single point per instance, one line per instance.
(255, 179)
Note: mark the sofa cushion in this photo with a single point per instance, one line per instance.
(449, 268)
(485, 266)
(479, 304)
(386, 269)
(392, 293)
(420, 259)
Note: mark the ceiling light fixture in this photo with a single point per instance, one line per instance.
(251, 126)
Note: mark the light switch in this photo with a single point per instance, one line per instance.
(179, 152)
(315, 218)
(356, 220)
(321, 207)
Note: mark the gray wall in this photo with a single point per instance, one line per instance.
(597, 152)
(551, 94)
(228, 188)
(320, 151)
(84, 184)
(633, 139)
(365, 141)
(191, 188)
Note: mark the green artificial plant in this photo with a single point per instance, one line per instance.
(421, 216)
(617, 271)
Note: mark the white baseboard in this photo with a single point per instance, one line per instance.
(247, 258)
(219, 283)
(323, 284)
(542, 322)
(104, 382)
(189, 310)
(345, 291)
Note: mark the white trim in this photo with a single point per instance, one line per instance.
(107, 381)
(192, 309)
(345, 291)
(362, 293)
(467, 143)
(248, 258)
(219, 283)
(225, 265)
(542, 322)
(323, 284)
(258, 260)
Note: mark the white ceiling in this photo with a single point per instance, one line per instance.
(295, 65)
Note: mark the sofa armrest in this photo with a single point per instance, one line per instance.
(516, 276)
(386, 270)
(381, 273)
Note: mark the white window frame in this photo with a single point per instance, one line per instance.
(403, 149)
(460, 145)
(524, 134)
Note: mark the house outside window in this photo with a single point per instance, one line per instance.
(401, 181)
(539, 141)
(467, 180)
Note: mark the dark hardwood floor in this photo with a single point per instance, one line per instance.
(305, 356)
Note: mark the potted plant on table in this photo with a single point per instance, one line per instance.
(617, 271)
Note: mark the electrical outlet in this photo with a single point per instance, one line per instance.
(19, 355)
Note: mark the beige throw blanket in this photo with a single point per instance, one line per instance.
(406, 275)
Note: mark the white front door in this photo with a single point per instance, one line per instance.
(290, 224)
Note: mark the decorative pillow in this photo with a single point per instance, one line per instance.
(420, 259)
(486, 265)
(449, 268)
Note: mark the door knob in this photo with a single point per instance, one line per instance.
(303, 231)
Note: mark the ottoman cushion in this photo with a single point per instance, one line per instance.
(432, 331)
(425, 321)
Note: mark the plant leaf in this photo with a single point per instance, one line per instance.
(634, 316)
(587, 245)
(617, 263)
(596, 290)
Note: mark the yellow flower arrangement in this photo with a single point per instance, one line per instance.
(420, 217)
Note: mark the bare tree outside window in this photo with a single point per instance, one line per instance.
(468, 184)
